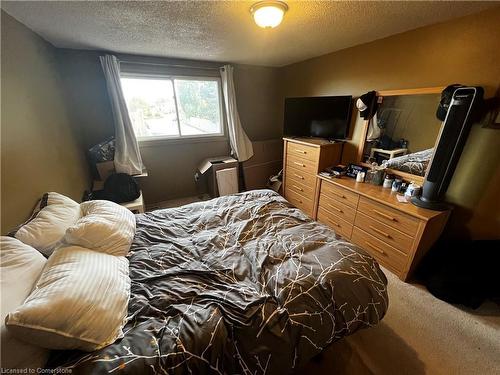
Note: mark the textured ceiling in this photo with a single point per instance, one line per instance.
(224, 30)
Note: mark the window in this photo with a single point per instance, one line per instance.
(173, 107)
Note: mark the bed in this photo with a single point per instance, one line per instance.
(239, 284)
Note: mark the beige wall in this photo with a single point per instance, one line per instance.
(171, 166)
(39, 147)
(260, 103)
(464, 50)
(85, 89)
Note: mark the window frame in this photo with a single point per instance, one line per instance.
(152, 140)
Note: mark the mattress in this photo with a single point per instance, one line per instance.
(244, 283)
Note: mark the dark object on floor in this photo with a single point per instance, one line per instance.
(118, 188)
(462, 272)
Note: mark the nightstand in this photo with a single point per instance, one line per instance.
(390, 153)
(137, 206)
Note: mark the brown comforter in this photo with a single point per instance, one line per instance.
(242, 284)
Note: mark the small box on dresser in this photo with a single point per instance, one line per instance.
(396, 234)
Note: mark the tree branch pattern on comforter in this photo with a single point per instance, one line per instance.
(242, 284)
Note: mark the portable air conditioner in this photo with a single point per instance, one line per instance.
(454, 131)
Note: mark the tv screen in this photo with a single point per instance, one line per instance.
(323, 117)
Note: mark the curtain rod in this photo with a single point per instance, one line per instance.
(170, 65)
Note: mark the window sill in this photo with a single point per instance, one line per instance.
(156, 142)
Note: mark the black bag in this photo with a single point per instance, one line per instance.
(119, 188)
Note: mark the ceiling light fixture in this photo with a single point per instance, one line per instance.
(268, 14)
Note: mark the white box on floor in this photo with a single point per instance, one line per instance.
(210, 167)
(227, 181)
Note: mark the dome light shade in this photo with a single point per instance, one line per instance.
(268, 14)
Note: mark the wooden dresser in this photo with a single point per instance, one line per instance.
(303, 159)
(396, 234)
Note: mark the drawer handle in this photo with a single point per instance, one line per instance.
(380, 232)
(340, 195)
(298, 188)
(298, 176)
(375, 248)
(301, 151)
(388, 217)
(334, 223)
(296, 162)
(335, 208)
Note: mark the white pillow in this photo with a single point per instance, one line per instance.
(80, 302)
(51, 198)
(20, 267)
(104, 226)
(49, 222)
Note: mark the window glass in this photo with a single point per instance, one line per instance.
(151, 106)
(198, 106)
(173, 107)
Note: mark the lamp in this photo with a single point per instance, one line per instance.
(268, 14)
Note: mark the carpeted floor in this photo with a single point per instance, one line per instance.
(419, 335)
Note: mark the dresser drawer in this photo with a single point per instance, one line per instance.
(389, 216)
(337, 208)
(302, 164)
(303, 203)
(384, 232)
(339, 225)
(388, 256)
(303, 151)
(297, 185)
(299, 176)
(339, 194)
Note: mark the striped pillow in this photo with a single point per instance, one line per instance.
(79, 302)
(20, 267)
(104, 226)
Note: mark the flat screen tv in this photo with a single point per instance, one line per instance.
(323, 117)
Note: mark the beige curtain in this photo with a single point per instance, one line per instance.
(127, 154)
(240, 143)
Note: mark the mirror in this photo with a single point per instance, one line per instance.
(403, 132)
